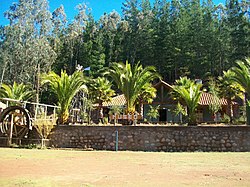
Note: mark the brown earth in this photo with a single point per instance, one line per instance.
(23, 167)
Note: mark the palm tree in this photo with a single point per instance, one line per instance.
(190, 95)
(184, 81)
(65, 87)
(241, 75)
(229, 90)
(180, 110)
(147, 96)
(131, 81)
(214, 90)
(101, 91)
(19, 92)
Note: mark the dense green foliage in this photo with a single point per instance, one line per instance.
(65, 87)
(229, 90)
(131, 81)
(241, 75)
(189, 94)
(100, 90)
(179, 38)
(153, 112)
(19, 92)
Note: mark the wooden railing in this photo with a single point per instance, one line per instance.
(126, 117)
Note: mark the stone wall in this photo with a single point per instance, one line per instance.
(153, 138)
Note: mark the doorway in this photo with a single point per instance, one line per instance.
(163, 115)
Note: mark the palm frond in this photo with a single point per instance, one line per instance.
(131, 80)
(65, 87)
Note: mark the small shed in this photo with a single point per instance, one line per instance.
(207, 99)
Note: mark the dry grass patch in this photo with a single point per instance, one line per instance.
(20, 167)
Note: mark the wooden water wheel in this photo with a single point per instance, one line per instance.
(15, 122)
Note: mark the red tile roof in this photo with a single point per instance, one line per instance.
(117, 100)
(207, 99)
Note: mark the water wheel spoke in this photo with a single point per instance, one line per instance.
(1, 127)
(18, 130)
(23, 132)
(14, 131)
(6, 125)
(4, 128)
(7, 122)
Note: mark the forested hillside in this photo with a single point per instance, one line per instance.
(177, 37)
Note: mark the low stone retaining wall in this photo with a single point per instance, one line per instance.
(153, 138)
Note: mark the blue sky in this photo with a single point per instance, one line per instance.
(98, 7)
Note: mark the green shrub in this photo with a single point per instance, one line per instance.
(225, 119)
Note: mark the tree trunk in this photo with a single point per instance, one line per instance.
(192, 118)
(89, 116)
(247, 109)
(38, 83)
(3, 72)
(248, 114)
(230, 110)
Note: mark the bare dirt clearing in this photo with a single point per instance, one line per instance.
(22, 167)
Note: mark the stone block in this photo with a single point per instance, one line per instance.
(228, 145)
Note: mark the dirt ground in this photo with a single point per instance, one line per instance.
(23, 167)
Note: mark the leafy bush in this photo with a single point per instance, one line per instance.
(225, 119)
(44, 127)
(153, 112)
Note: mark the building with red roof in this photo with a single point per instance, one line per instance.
(167, 105)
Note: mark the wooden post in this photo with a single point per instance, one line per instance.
(135, 118)
(54, 113)
(42, 145)
(45, 112)
(11, 130)
(36, 108)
